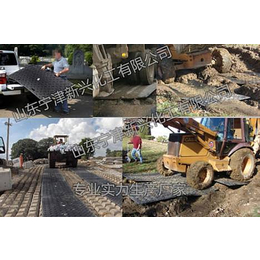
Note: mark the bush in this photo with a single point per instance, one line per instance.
(149, 137)
(162, 139)
(88, 57)
(34, 59)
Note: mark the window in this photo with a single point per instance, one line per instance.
(7, 59)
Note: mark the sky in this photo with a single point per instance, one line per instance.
(160, 130)
(76, 128)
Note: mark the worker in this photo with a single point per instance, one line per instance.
(256, 145)
(60, 67)
(60, 141)
(21, 160)
(136, 140)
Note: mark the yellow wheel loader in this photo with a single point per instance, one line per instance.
(213, 145)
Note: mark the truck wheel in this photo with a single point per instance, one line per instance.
(148, 72)
(74, 163)
(2, 101)
(134, 78)
(166, 70)
(51, 161)
(67, 163)
(242, 163)
(222, 59)
(200, 175)
(31, 97)
(161, 169)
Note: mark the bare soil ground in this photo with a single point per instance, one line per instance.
(224, 202)
(243, 79)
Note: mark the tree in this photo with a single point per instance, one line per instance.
(114, 153)
(108, 152)
(86, 48)
(33, 49)
(28, 147)
(88, 146)
(42, 147)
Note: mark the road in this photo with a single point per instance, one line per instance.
(41, 191)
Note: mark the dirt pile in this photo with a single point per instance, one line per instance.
(249, 55)
(187, 77)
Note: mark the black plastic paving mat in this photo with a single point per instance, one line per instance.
(230, 183)
(58, 200)
(126, 91)
(152, 177)
(42, 83)
(112, 192)
(160, 188)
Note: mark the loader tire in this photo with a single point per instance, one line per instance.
(161, 169)
(200, 175)
(147, 73)
(242, 163)
(223, 61)
(51, 161)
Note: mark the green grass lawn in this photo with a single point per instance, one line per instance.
(151, 151)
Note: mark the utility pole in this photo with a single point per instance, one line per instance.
(8, 124)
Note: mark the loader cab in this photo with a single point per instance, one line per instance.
(2, 145)
(230, 131)
(60, 139)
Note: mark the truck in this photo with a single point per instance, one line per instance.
(213, 145)
(107, 57)
(9, 63)
(61, 151)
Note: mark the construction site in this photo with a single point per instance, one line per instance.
(195, 76)
(50, 179)
(124, 80)
(193, 167)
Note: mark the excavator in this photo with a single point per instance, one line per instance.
(199, 150)
(107, 57)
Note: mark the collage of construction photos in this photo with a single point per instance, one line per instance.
(129, 130)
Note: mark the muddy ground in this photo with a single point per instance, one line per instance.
(243, 79)
(224, 202)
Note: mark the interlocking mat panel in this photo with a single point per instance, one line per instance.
(42, 83)
(149, 188)
(58, 200)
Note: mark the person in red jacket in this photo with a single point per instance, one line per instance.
(136, 141)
